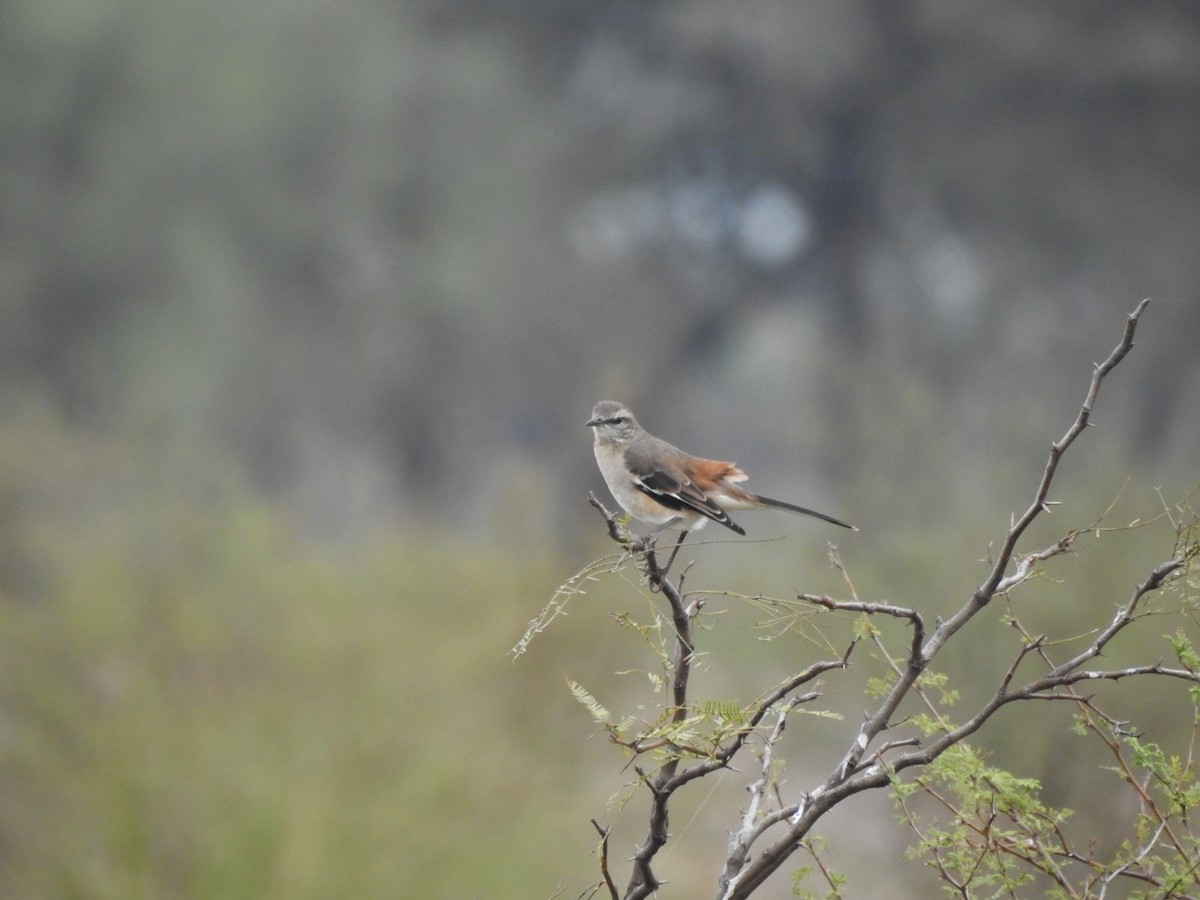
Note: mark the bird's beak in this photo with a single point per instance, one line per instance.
(592, 423)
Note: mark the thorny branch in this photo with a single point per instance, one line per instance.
(608, 882)
(870, 762)
(643, 881)
(669, 778)
(740, 842)
(991, 585)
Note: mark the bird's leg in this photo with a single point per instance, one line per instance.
(679, 543)
(670, 523)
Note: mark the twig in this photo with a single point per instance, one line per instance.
(610, 518)
(984, 593)
(612, 888)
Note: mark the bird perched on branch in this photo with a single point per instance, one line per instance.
(665, 487)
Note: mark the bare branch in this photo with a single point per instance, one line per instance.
(884, 609)
(790, 684)
(610, 518)
(739, 843)
(1063, 675)
(612, 888)
(643, 882)
(1028, 563)
(882, 717)
(984, 593)
(1125, 614)
(849, 778)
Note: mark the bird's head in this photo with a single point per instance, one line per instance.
(614, 423)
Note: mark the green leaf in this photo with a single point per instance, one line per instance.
(599, 713)
(724, 711)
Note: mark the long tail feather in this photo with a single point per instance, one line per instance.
(791, 507)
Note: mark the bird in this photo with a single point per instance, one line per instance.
(666, 487)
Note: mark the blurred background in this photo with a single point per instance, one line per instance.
(304, 308)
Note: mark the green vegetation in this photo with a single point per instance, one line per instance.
(198, 702)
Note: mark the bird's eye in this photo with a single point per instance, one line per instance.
(619, 420)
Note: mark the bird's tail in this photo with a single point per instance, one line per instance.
(791, 507)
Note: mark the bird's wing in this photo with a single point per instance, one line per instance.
(670, 476)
